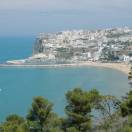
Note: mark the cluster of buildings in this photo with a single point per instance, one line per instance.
(83, 45)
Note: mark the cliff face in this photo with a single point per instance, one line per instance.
(38, 46)
(84, 45)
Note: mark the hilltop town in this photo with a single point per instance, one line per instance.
(106, 45)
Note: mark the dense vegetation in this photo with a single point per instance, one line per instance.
(80, 109)
(85, 111)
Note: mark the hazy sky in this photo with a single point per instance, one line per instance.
(29, 17)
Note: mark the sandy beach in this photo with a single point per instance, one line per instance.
(117, 66)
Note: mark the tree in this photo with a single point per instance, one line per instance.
(79, 107)
(107, 105)
(130, 74)
(13, 123)
(107, 109)
(126, 106)
(39, 114)
(72, 129)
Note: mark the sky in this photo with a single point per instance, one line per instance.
(30, 17)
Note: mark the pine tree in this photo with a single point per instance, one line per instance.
(79, 107)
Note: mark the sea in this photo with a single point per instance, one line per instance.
(18, 86)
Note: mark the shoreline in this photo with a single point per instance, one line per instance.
(117, 66)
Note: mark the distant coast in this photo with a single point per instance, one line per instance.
(117, 66)
(109, 48)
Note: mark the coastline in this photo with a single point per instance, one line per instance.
(117, 66)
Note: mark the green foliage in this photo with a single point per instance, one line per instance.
(79, 107)
(127, 128)
(130, 74)
(15, 119)
(72, 129)
(56, 130)
(107, 105)
(39, 114)
(126, 106)
(107, 111)
(124, 109)
(13, 123)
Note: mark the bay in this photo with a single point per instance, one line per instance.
(18, 86)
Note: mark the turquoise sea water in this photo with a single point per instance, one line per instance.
(15, 47)
(19, 85)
